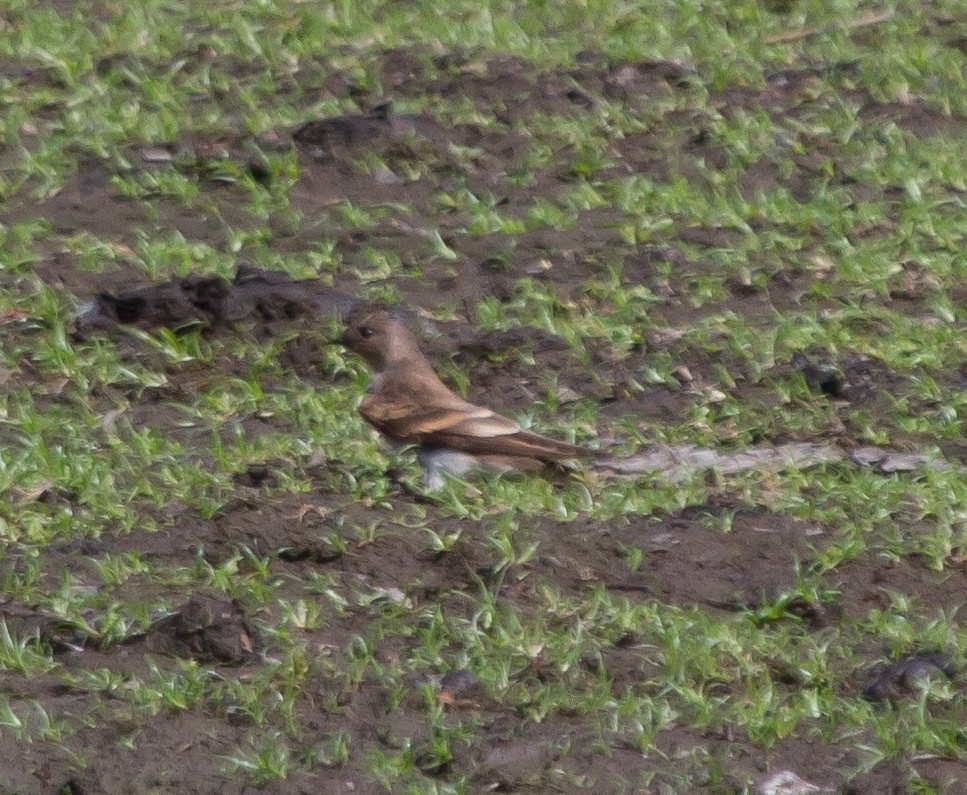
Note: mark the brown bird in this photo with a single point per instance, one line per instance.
(408, 403)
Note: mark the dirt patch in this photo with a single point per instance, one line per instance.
(725, 558)
(205, 629)
(872, 582)
(253, 294)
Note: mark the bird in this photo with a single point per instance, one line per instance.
(408, 403)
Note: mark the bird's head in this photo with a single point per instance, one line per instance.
(379, 336)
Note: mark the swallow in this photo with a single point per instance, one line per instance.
(409, 404)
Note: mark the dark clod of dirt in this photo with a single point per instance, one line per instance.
(395, 137)
(256, 476)
(814, 613)
(58, 633)
(80, 546)
(266, 296)
(205, 629)
(907, 675)
(323, 137)
(190, 300)
(822, 376)
(854, 378)
(508, 766)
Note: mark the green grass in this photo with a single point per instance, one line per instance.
(139, 437)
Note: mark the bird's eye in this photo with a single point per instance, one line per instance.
(365, 332)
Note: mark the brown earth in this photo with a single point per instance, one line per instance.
(689, 560)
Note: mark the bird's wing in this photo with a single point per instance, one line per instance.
(403, 416)
(462, 426)
(478, 421)
(512, 443)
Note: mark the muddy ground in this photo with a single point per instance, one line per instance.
(687, 562)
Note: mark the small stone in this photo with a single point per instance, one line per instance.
(683, 374)
(386, 177)
(785, 783)
(539, 267)
(567, 395)
(154, 154)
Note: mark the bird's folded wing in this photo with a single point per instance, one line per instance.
(465, 427)
(521, 443)
(478, 421)
(403, 417)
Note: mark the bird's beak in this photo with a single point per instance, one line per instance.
(338, 339)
